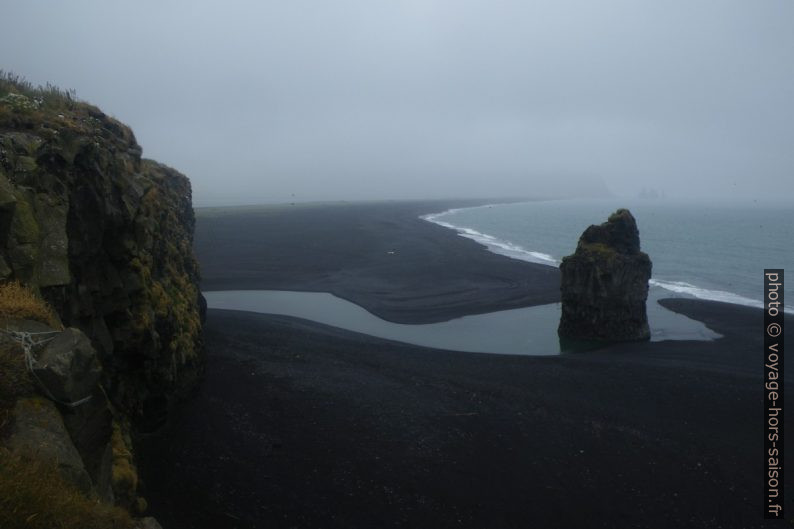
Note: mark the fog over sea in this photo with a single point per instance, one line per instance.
(715, 251)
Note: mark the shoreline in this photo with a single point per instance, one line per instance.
(302, 425)
(513, 250)
(382, 257)
(392, 309)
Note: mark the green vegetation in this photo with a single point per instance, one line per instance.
(169, 297)
(599, 248)
(135, 276)
(34, 496)
(51, 112)
(23, 105)
(21, 95)
(597, 252)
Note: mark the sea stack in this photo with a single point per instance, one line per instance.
(604, 284)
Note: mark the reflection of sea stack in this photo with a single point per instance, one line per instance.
(604, 283)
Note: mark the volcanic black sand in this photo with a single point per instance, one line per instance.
(303, 425)
(380, 256)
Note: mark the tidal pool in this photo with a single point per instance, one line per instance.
(526, 331)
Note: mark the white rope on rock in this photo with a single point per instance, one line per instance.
(27, 341)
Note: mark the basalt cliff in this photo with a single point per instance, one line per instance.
(604, 284)
(100, 310)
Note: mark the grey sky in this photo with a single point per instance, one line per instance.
(260, 100)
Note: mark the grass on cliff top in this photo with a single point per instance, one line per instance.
(34, 496)
(48, 96)
(49, 112)
(43, 110)
(19, 302)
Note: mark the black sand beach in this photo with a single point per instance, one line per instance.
(380, 256)
(302, 425)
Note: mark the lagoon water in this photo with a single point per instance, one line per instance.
(527, 331)
(713, 251)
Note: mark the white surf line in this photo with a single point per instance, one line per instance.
(682, 287)
(515, 251)
(493, 244)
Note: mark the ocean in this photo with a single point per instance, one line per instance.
(715, 251)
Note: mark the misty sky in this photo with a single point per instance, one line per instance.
(262, 101)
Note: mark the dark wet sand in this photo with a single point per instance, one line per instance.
(302, 425)
(430, 275)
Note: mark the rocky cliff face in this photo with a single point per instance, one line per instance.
(105, 237)
(604, 284)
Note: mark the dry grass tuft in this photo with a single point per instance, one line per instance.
(48, 95)
(18, 301)
(34, 496)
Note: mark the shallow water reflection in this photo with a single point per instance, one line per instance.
(526, 331)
